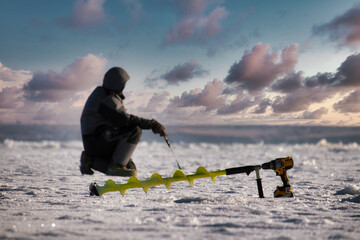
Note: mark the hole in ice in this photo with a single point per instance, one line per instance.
(31, 193)
(190, 200)
(155, 209)
(229, 192)
(227, 225)
(65, 217)
(294, 220)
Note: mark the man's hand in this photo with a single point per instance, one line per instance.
(157, 128)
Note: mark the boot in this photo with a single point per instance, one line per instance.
(116, 170)
(131, 165)
(86, 164)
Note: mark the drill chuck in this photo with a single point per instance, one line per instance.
(266, 165)
(274, 164)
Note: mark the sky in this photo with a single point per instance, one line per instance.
(214, 62)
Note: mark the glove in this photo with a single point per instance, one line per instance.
(157, 128)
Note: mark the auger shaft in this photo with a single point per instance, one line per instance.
(172, 152)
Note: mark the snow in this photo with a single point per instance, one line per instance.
(44, 196)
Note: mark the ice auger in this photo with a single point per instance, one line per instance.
(279, 165)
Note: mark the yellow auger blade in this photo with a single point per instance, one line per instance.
(155, 180)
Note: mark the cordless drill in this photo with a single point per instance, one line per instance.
(280, 165)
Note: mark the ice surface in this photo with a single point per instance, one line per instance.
(44, 196)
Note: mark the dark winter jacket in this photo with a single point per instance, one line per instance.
(104, 110)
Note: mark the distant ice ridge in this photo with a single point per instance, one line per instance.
(76, 144)
(8, 143)
(324, 143)
(45, 144)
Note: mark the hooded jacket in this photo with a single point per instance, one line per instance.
(104, 109)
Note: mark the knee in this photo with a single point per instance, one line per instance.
(135, 135)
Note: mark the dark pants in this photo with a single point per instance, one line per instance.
(111, 146)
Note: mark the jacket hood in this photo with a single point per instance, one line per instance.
(115, 79)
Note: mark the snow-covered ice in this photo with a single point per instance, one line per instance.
(44, 196)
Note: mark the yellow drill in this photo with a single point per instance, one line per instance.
(280, 165)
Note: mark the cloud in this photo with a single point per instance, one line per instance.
(350, 104)
(182, 32)
(184, 72)
(10, 98)
(317, 114)
(190, 7)
(344, 29)
(155, 102)
(349, 71)
(263, 105)
(259, 68)
(240, 103)
(302, 92)
(347, 75)
(193, 23)
(10, 75)
(60, 112)
(320, 79)
(306, 46)
(86, 13)
(82, 74)
(289, 83)
(301, 99)
(210, 97)
(211, 23)
(178, 74)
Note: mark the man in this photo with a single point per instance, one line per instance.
(110, 135)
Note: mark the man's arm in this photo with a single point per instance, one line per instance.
(123, 119)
